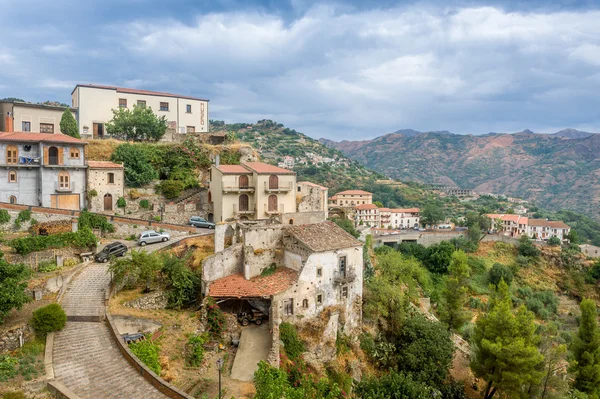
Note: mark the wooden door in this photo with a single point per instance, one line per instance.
(272, 203)
(95, 132)
(243, 181)
(243, 203)
(108, 202)
(273, 182)
(65, 201)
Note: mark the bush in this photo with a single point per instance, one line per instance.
(94, 221)
(47, 266)
(184, 284)
(4, 216)
(214, 317)
(196, 350)
(499, 272)
(82, 239)
(554, 241)
(144, 204)
(147, 352)
(24, 215)
(47, 319)
(121, 203)
(134, 194)
(14, 395)
(292, 344)
(170, 188)
(12, 286)
(526, 248)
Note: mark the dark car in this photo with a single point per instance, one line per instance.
(197, 221)
(110, 251)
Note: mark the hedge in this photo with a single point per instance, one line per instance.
(82, 239)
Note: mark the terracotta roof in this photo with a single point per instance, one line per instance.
(354, 192)
(524, 220)
(384, 210)
(232, 169)
(333, 197)
(236, 286)
(104, 165)
(137, 91)
(365, 206)
(313, 185)
(557, 224)
(37, 137)
(324, 236)
(260, 167)
(405, 210)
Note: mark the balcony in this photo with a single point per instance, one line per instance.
(277, 211)
(281, 188)
(250, 211)
(63, 189)
(238, 189)
(344, 277)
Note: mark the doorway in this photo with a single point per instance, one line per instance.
(108, 202)
(98, 130)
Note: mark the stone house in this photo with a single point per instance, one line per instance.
(311, 197)
(107, 180)
(351, 198)
(591, 251)
(27, 117)
(41, 169)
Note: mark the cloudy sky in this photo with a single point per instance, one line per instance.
(342, 70)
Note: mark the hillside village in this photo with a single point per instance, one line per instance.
(171, 255)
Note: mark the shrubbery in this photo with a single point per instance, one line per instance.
(82, 239)
(4, 216)
(47, 319)
(184, 284)
(144, 204)
(171, 189)
(499, 272)
(147, 352)
(94, 221)
(214, 317)
(196, 350)
(12, 286)
(292, 344)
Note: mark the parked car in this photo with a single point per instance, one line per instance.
(197, 221)
(151, 237)
(112, 250)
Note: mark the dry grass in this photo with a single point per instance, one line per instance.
(101, 150)
(197, 249)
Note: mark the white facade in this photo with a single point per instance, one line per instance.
(95, 104)
(367, 215)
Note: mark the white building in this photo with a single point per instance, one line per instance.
(18, 116)
(404, 218)
(95, 103)
(542, 229)
(367, 215)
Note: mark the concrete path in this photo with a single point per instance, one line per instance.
(255, 344)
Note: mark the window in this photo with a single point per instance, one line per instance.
(53, 156)
(273, 182)
(141, 103)
(305, 303)
(74, 152)
(288, 307)
(26, 126)
(190, 129)
(111, 178)
(46, 128)
(342, 265)
(12, 176)
(320, 299)
(64, 179)
(12, 155)
(272, 200)
(320, 272)
(164, 106)
(243, 181)
(12, 199)
(243, 203)
(345, 291)
(299, 189)
(122, 103)
(188, 109)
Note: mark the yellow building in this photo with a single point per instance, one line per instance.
(252, 190)
(351, 198)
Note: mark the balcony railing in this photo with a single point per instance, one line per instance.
(277, 211)
(63, 189)
(250, 211)
(238, 189)
(345, 277)
(281, 188)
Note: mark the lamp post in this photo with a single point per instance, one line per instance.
(220, 366)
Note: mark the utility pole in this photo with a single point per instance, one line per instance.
(220, 363)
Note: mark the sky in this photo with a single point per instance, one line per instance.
(341, 70)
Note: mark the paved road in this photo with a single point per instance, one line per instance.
(255, 343)
(85, 357)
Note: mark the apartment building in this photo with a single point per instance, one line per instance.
(184, 114)
(404, 218)
(539, 229)
(386, 218)
(367, 215)
(351, 198)
(252, 190)
(42, 169)
(18, 116)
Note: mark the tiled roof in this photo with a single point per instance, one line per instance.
(260, 167)
(333, 197)
(365, 206)
(137, 91)
(104, 165)
(236, 286)
(324, 236)
(37, 137)
(405, 210)
(384, 209)
(313, 185)
(354, 192)
(232, 169)
(557, 224)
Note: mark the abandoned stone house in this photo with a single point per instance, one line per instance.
(292, 273)
(311, 197)
(106, 180)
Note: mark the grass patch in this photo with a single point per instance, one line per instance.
(147, 351)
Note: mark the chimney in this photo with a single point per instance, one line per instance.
(217, 160)
(9, 122)
(246, 271)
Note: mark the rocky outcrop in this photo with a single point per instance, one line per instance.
(153, 300)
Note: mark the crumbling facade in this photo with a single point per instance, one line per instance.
(106, 180)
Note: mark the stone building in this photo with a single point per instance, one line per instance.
(351, 198)
(42, 169)
(18, 116)
(106, 180)
(311, 197)
(591, 251)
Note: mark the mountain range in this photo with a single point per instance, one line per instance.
(558, 171)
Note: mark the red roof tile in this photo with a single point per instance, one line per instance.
(137, 91)
(37, 137)
(260, 167)
(365, 206)
(232, 169)
(354, 192)
(104, 165)
(406, 210)
(324, 236)
(236, 286)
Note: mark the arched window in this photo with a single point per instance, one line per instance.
(53, 156)
(272, 203)
(12, 199)
(12, 176)
(64, 179)
(305, 303)
(108, 202)
(74, 152)
(273, 182)
(243, 203)
(12, 155)
(243, 181)
(291, 221)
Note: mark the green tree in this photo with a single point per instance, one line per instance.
(141, 268)
(347, 225)
(585, 349)
(379, 204)
(432, 214)
(141, 124)
(500, 272)
(392, 386)
(68, 124)
(438, 257)
(136, 161)
(455, 292)
(12, 286)
(474, 233)
(526, 248)
(554, 241)
(183, 283)
(505, 352)
(572, 236)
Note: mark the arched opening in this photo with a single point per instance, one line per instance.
(305, 303)
(12, 176)
(12, 199)
(243, 181)
(12, 155)
(273, 182)
(243, 203)
(211, 217)
(64, 180)
(291, 221)
(272, 203)
(53, 156)
(108, 202)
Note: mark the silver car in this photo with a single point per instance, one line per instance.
(151, 237)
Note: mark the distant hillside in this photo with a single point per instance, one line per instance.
(559, 171)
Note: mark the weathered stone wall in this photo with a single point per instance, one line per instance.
(10, 340)
(428, 239)
(222, 264)
(303, 217)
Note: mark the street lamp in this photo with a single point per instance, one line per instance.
(220, 363)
